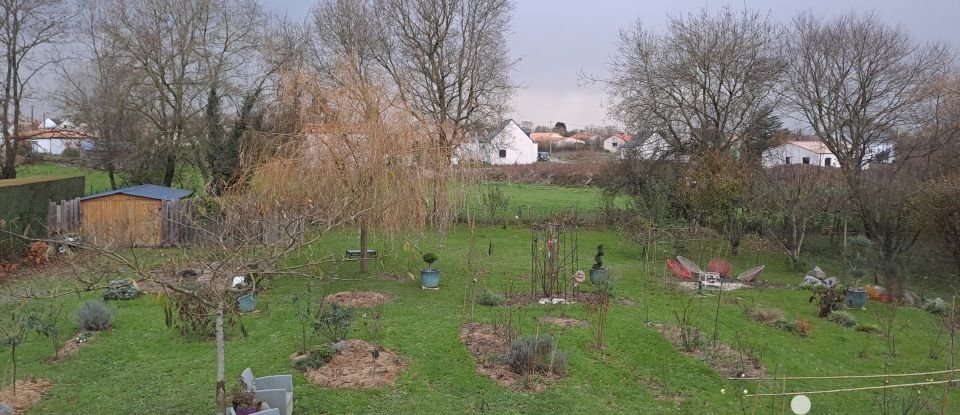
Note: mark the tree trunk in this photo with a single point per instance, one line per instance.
(10, 160)
(363, 247)
(13, 359)
(169, 169)
(111, 175)
(221, 380)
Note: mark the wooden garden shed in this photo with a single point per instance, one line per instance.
(131, 216)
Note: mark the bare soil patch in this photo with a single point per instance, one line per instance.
(29, 392)
(355, 368)
(564, 322)
(489, 346)
(358, 299)
(721, 358)
(71, 347)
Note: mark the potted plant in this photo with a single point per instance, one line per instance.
(429, 277)
(243, 400)
(856, 296)
(598, 274)
(246, 286)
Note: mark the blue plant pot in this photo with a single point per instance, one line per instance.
(598, 276)
(429, 278)
(855, 297)
(247, 302)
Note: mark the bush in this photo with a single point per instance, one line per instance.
(935, 306)
(315, 359)
(95, 315)
(842, 318)
(490, 298)
(766, 314)
(784, 325)
(121, 290)
(334, 322)
(802, 328)
(537, 354)
(867, 328)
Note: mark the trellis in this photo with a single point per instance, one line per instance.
(554, 259)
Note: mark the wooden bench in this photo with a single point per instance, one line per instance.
(355, 253)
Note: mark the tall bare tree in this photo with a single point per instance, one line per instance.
(450, 61)
(857, 80)
(27, 28)
(706, 83)
(181, 49)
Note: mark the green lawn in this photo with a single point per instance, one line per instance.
(541, 200)
(142, 367)
(98, 181)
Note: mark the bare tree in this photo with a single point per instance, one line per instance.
(856, 79)
(28, 26)
(705, 83)
(450, 62)
(97, 91)
(180, 50)
(793, 198)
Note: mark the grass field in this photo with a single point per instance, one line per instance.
(538, 200)
(97, 180)
(141, 366)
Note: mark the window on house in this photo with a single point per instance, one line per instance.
(787, 160)
(503, 153)
(827, 162)
(614, 143)
(806, 160)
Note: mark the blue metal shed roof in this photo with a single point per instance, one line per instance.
(149, 191)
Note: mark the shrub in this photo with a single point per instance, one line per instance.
(935, 306)
(766, 314)
(121, 289)
(802, 328)
(867, 328)
(842, 318)
(784, 325)
(536, 354)
(315, 359)
(95, 315)
(334, 322)
(490, 298)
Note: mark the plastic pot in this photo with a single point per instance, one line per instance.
(429, 278)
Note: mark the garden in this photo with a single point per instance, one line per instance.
(520, 321)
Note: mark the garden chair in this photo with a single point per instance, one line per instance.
(689, 265)
(273, 411)
(750, 274)
(276, 391)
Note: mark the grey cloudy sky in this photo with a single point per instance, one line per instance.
(557, 39)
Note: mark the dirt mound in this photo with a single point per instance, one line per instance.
(564, 322)
(355, 368)
(358, 299)
(29, 392)
(71, 347)
(489, 346)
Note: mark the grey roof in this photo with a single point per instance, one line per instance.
(489, 138)
(149, 191)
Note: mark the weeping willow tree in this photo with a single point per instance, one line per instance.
(359, 145)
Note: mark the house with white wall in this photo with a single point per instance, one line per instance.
(614, 142)
(645, 145)
(800, 152)
(506, 145)
(55, 140)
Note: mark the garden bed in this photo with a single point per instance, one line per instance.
(564, 322)
(355, 368)
(29, 392)
(489, 347)
(727, 361)
(71, 347)
(357, 299)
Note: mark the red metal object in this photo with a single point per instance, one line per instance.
(678, 270)
(720, 266)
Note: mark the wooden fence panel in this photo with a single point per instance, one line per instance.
(63, 218)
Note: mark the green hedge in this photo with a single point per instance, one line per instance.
(24, 201)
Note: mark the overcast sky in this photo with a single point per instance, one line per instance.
(557, 39)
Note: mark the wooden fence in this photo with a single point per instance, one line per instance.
(63, 218)
(183, 223)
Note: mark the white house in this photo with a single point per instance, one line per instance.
(645, 146)
(507, 145)
(800, 152)
(570, 142)
(614, 142)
